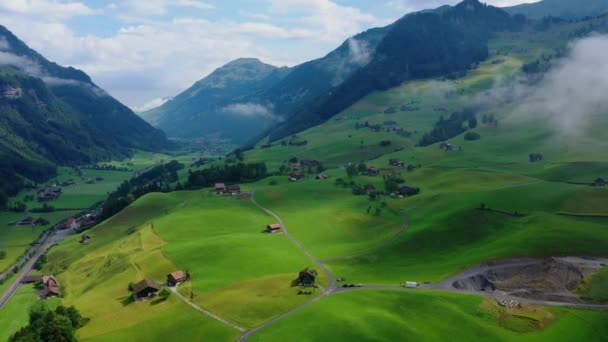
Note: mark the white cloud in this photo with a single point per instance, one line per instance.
(135, 10)
(573, 92)
(331, 21)
(4, 45)
(151, 104)
(45, 8)
(359, 51)
(22, 63)
(251, 110)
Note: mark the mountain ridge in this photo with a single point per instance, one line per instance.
(55, 115)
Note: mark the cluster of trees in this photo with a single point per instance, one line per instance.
(472, 136)
(448, 128)
(51, 325)
(157, 179)
(489, 120)
(163, 173)
(237, 173)
(353, 170)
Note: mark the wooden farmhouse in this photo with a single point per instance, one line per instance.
(177, 277)
(272, 228)
(145, 289)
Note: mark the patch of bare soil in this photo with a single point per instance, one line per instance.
(551, 280)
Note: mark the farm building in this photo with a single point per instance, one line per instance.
(322, 177)
(396, 162)
(601, 182)
(295, 176)
(370, 189)
(446, 146)
(271, 228)
(71, 223)
(310, 163)
(536, 157)
(294, 166)
(176, 277)
(69, 182)
(234, 189)
(307, 277)
(145, 289)
(220, 188)
(372, 171)
(408, 191)
(28, 221)
(51, 287)
(30, 279)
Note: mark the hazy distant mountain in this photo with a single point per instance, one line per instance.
(239, 100)
(220, 105)
(54, 115)
(565, 9)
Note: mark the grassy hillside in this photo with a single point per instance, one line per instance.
(207, 235)
(565, 9)
(430, 316)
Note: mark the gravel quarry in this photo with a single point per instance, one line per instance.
(551, 279)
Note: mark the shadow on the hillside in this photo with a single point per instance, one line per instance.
(127, 300)
(157, 301)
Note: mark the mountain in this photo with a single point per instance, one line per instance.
(241, 99)
(565, 9)
(420, 45)
(218, 105)
(53, 115)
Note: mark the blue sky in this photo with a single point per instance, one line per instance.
(142, 51)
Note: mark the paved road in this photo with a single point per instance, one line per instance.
(328, 291)
(29, 265)
(477, 293)
(210, 314)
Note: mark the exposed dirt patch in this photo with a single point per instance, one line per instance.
(552, 279)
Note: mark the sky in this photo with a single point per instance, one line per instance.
(145, 51)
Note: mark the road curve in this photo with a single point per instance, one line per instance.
(332, 279)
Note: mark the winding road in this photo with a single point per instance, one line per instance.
(330, 276)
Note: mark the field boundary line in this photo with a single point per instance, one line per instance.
(208, 313)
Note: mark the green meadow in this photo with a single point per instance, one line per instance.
(385, 315)
(207, 235)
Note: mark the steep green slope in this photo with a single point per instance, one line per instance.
(565, 9)
(418, 46)
(54, 115)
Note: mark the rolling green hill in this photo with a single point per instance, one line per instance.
(54, 115)
(565, 9)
